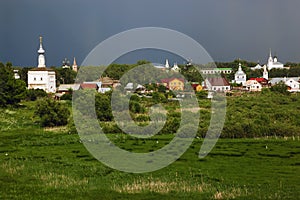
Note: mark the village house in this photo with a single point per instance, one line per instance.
(107, 82)
(217, 71)
(217, 84)
(253, 85)
(94, 85)
(292, 83)
(65, 88)
(262, 81)
(197, 87)
(173, 83)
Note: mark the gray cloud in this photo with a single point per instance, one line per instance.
(228, 29)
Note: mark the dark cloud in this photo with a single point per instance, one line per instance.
(228, 29)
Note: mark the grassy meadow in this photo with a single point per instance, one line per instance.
(52, 163)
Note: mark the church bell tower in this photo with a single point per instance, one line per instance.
(41, 57)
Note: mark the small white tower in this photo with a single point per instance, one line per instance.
(265, 73)
(167, 66)
(74, 66)
(41, 57)
(270, 60)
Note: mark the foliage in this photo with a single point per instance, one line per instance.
(202, 94)
(65, 75)
(23, 72)
(52, 113)
(103, 107)
(37, 163)
(280, 87)
(12, 91)
(34, 94)
(67, 96)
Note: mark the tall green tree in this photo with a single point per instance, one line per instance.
(65, 75)
(12, 91)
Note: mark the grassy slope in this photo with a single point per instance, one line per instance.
(39, 164)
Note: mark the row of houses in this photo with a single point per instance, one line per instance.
(44, 78)
(213, 84)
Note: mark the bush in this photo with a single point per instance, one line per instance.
(66, 96)
(280, 88)
(52, 113)
(12, 91)
(34, 94)
(188, 131)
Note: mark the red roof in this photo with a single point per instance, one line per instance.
(260, 80)
(218, 81)
(195, 85)
(167, 80)
(88, 86)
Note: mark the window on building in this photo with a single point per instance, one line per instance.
(34, 79)
(41, 78)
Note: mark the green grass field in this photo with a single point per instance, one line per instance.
(37, 163)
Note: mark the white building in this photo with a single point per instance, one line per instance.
(217, 71)
(175, 68)
(257, 67)
(292, 83)
(218, 84)
(253, 86)
(41, 77)
(265, 73)
(240, 76)
(273, 63)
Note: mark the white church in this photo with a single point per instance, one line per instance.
(272, 63)
(41, 77)
(240, 76)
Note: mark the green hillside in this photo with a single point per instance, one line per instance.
(52, 163)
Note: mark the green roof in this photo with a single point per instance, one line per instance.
(222, 68)
(219, 69)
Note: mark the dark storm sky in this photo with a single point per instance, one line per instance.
(227, 29)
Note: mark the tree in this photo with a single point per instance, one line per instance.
(65, 75)
(52, 113)
(34, 94)
(12, 91)
(103, 107)
(280, 88)
(23, 72)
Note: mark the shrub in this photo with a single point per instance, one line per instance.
(66, 96)
(12, 91)
(280, 88)
(34, 94)
(52, 113)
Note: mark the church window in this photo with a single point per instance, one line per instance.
(41, 78)
(34, 79)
